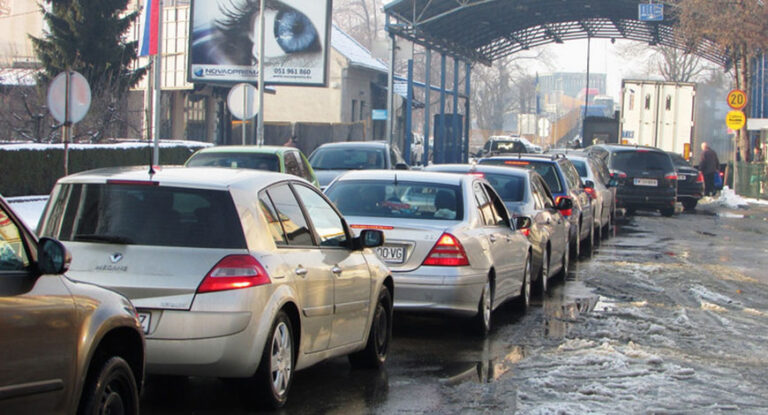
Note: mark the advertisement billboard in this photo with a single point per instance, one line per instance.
(224, 41)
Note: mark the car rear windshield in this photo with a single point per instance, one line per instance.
(547, 169)
(581, 167)
(629, 161)
(131, 214)
(407, 200)
(678, 160)
(348, 159)
(257, 161)
(510, 188)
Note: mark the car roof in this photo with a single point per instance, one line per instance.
(480, 168)
(626, 147)
(405, 175)
(355, 144)
(218, 178)
(247, 149)
(531, 156)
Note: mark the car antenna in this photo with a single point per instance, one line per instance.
(395, 179)
(151, 168)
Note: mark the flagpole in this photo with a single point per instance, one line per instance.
(157, 87)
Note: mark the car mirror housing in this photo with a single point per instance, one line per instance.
(53, 257)
(401, 166)
(564, 203)
(589, 183)
(370, 238)
(522, 222)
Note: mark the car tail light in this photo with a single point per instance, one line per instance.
(377, 227)
(447, 252)
(700, 179)
(618, 174)
(564, 212)
(591, 192)
(671, 176)
(526, 232)
(480, 175)
(234, 272)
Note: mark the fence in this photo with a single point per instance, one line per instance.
(753, 180)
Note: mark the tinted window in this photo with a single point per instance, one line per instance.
(273, 219)
(679, 160)
(509, 188)
(348, 159)
(146, 215)
(291, 217)
(327, 223)
(641, 161)
(401, 200)
(13, 256)
(256, 161)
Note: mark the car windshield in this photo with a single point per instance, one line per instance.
(407, 200)
(546, 169)
(641, 161)
(257, 161)
(347, 159)
(510, 188)
(133, 214)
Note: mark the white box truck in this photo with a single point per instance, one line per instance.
(658, 114)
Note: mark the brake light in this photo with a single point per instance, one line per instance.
(564, 212)
(377, 227)
(591, 192)
(671, 176)
(234, 272)
(447, 252)
(700, 179)
(516, 163)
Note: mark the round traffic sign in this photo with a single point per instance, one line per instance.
(76, 89)
(243, 101)
(735, 120)
(737, 99)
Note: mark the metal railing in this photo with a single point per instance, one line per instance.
(753, 180)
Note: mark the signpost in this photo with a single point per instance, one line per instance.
(243, 103)
(69, 98)
(651, 12)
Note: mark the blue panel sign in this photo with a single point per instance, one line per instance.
(653, 12)
(379, 114)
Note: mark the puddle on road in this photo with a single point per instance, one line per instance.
(565, 305)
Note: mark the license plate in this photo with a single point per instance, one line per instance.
(682, 177)
(646, 182)
(393, 254)
(144, 320)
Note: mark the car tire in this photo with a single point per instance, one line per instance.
(483, 320)
(543, 280)
(524, 300)
(667, 212)
(375, 353)
(275, 374)
(690, 205)
(110, 388)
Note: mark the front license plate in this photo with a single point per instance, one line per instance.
(144, 320)
(646, 182)
(392, 254)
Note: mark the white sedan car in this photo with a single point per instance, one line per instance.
(450, 242)
(235, 273)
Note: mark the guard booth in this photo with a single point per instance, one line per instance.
(448, 141)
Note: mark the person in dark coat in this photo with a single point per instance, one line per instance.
(709, 164)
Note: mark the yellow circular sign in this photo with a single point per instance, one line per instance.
(735, 120)
(737, 99)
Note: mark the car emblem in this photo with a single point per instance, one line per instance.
(116, 257)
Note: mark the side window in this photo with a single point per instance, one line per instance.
(483, 204)
(538, 201)
(497, 206)
(545, 194)
(327, 223)
(273, 219)
(13, 256)
(303, 167)
(571, 175)
(291, 217)
(291, 165)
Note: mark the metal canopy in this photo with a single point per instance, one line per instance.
(486, 30)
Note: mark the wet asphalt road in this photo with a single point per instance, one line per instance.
(669, 316)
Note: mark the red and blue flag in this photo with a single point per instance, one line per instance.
(150, 20)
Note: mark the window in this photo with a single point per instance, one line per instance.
(648, 101)
(291, 164)
(362, 111)
(631, 101)
(668, 103)
(13, 256)
(485, 206)
(326, 221)
(354, 109)
(291, 217)
(273, 219)
(497, 207)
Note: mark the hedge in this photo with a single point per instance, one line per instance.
(32, 169)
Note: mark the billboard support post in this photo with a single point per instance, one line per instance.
(260, 119)
(157, 88)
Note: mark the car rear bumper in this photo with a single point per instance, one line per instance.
(452, 290)
(646, 201)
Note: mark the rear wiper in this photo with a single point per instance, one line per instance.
(116, 239)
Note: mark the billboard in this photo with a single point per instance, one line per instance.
(224, 47)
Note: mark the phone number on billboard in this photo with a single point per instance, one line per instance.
(292, 71)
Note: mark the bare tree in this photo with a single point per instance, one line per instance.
(672, 64)
(362, 19)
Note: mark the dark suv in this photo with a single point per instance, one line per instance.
(564, 182)
(646, 177)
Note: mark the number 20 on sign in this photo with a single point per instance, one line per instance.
(737, 99)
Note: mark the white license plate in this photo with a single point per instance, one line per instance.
(144, 320)
(646, 182)
(393, 254)
(682, 177)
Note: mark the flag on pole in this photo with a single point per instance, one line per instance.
(150, 20)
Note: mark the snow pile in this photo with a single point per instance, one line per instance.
(119, 145)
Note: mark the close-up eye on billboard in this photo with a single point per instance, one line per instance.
(224, 41)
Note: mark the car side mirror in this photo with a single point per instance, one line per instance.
(613, 182)
(564, 203)
(52, 257)
(371, 238)
(589, 183)
(522, 222)
(401, 166)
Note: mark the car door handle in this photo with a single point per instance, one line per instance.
(300, 271)
(336, 270)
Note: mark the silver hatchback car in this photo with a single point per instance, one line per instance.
(235, 273)
(450, 244)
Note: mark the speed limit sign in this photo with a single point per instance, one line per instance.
(737, 99)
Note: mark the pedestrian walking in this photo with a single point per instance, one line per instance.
(709, 165)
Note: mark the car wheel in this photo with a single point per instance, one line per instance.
(690, 205)
(110, 389)
(483, 320)
(275, 374)
(525, 290)
(375, 353)
(668, 211)
(544, 273)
